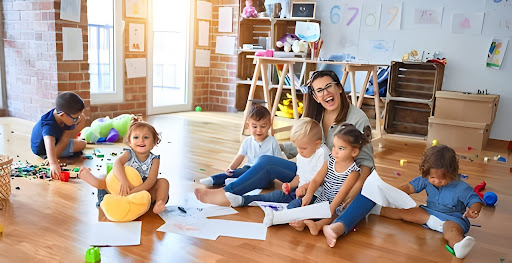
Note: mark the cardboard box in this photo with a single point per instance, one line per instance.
(458, 133)
(466, 107)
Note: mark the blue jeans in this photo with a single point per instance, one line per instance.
(262, 173)
(276, 196)
(356, 211)
(220, 179)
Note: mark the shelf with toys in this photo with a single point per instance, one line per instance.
(274, 33)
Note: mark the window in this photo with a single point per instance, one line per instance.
(105, 50)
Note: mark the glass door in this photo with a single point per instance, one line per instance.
(169, 41)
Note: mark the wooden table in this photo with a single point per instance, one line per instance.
(348, 68)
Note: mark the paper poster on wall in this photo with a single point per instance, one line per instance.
(70, 10)
(494, 4)
(351, 18)
(467, 23)
(72, 44)
(496, 53)
(203, 33)
(135, 8)
(370, 17)
(136, 37)
(391, 16)
(379, 51)
(202, 58)
(506, 24)
(226, 19)
(204, 10)
(225, 45)
(428, 16)
(135, 67)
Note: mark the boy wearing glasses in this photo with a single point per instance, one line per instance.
(54, 134)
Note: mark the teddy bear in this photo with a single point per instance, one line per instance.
(119, 208)
(249, 10)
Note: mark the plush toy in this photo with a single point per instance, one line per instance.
(125, 208)
(286, 42)
(249, 10)
(286, 109)
(299, 46)
(106, 129)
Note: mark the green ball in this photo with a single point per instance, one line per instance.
(198, 108)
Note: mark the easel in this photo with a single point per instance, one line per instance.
(349, 68)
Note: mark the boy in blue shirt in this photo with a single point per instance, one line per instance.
(54, 134)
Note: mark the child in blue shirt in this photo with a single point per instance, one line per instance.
(450, 201)
(254, 146)
(54, 134)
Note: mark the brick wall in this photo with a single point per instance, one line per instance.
(214, 87)
(30, 60)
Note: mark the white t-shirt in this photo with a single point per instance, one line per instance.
(308, 167)
(253, 149)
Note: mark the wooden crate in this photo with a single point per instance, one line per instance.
(415, 80)
(407, 117)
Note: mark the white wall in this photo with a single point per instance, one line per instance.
(466, 54)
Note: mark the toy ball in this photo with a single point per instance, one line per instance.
(434, 142)
(490, 198)
(112, 136)
(198, 108)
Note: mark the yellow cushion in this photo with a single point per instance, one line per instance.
(125, 208)
(113, 184)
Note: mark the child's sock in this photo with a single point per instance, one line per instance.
(269, 216)
(376, 210)
(435, 223)
(463, 247)
(235, 200)
(207, 181)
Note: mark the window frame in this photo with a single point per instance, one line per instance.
(118, 95)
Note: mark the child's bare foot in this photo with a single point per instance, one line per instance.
(84, 173)
(314, 228)
(298, 225)
(159, 207)
(212, 196)
(332, 232)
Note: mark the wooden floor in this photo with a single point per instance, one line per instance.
(49, 221)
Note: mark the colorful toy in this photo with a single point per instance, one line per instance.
(106, 129)
(286, 188)
(434, 142)
(249, 10)
(125, 208)
(287, 41)
(198, 108)
(286, 108)
(402, 162)
(64, 176)
(92, 255)
(490, 198)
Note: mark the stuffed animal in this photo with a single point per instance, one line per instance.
(249, 10)
(286, 42)
(106, 129)
(125, 208)
(286, 109)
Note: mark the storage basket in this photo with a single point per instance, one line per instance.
(5, 176)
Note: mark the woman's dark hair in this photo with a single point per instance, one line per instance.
(353, 136)
(315, 110)
(440, 157)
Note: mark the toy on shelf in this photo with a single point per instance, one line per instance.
(291, 42)
(249, 10)
(106, 129)
(286, 107)
(285, 7)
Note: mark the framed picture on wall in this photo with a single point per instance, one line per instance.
(304, 10)
(135, 8)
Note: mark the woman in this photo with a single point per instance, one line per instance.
(326, 103)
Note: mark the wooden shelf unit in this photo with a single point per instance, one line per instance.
(411, 95)
(250, 29)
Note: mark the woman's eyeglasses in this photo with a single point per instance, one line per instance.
(320, 92)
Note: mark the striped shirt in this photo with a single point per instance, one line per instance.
(334, 180)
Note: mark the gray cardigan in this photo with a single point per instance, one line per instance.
(356, 117)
